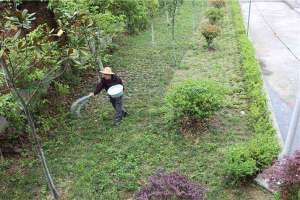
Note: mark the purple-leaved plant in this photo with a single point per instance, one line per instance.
(284, 176)
(163, 186)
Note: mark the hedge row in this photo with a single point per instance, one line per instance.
(243, 161)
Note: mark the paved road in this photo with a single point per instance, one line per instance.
(274, 29)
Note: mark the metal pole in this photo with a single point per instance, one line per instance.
(287, 149)
(193, 14)
(249, 14)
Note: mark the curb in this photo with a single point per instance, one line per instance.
(272, 116)
(262, 183)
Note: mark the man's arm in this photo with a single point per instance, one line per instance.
(99, 87)
(119, 80)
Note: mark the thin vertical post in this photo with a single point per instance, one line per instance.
(193, 15)
(249, 15)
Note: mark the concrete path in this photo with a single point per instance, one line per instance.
(274, 29)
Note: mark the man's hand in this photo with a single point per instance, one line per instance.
(91, 94)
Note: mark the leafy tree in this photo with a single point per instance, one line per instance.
(134, 12)
(171, 6)
(23, 63)
(22, 21)
(214, 15)
(88, 36)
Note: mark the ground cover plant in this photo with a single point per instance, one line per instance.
(91, 159)
(283, 176)
(170, 186)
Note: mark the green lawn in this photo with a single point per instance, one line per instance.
(92, 159)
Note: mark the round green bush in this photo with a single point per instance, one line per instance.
(243, 161)
(210, 32)
(214, 15)
(239, 164)
(195, 99)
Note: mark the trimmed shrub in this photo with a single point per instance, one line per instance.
(195, 99)
(214, 15)
(238, 164)
(243, 161)
(264, 150)
(217, 3)
(284, 176)
(170, 186)
(210, 32)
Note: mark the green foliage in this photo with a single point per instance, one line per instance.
(239, 165)
(33, 57)
(86, 29)
(134, 11)
(85, 14)
(172, 5)
(89, 35)
(20, 19)
(62, 89)
(217, 3)
(152, 6)
(277, 196)
(243, 161)
(10, 109)
(259, 113)
(264, 148)
(169, 5)
(110, 163)
(33, 63)
(195, 99)
(210, 32)
(214, 15)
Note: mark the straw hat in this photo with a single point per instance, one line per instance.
(107, 70)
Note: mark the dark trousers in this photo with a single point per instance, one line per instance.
(117, 103)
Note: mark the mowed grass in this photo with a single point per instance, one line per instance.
(92, 159)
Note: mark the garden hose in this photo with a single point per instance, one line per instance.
(78, 104)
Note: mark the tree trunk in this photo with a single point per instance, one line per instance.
(1, 155)
(173, 31)
(168, 20)
(98, 53)
(167, 12)
(94, 52)
(152, 33)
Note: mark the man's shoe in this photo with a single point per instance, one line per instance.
(125, 114)
(117, 124)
